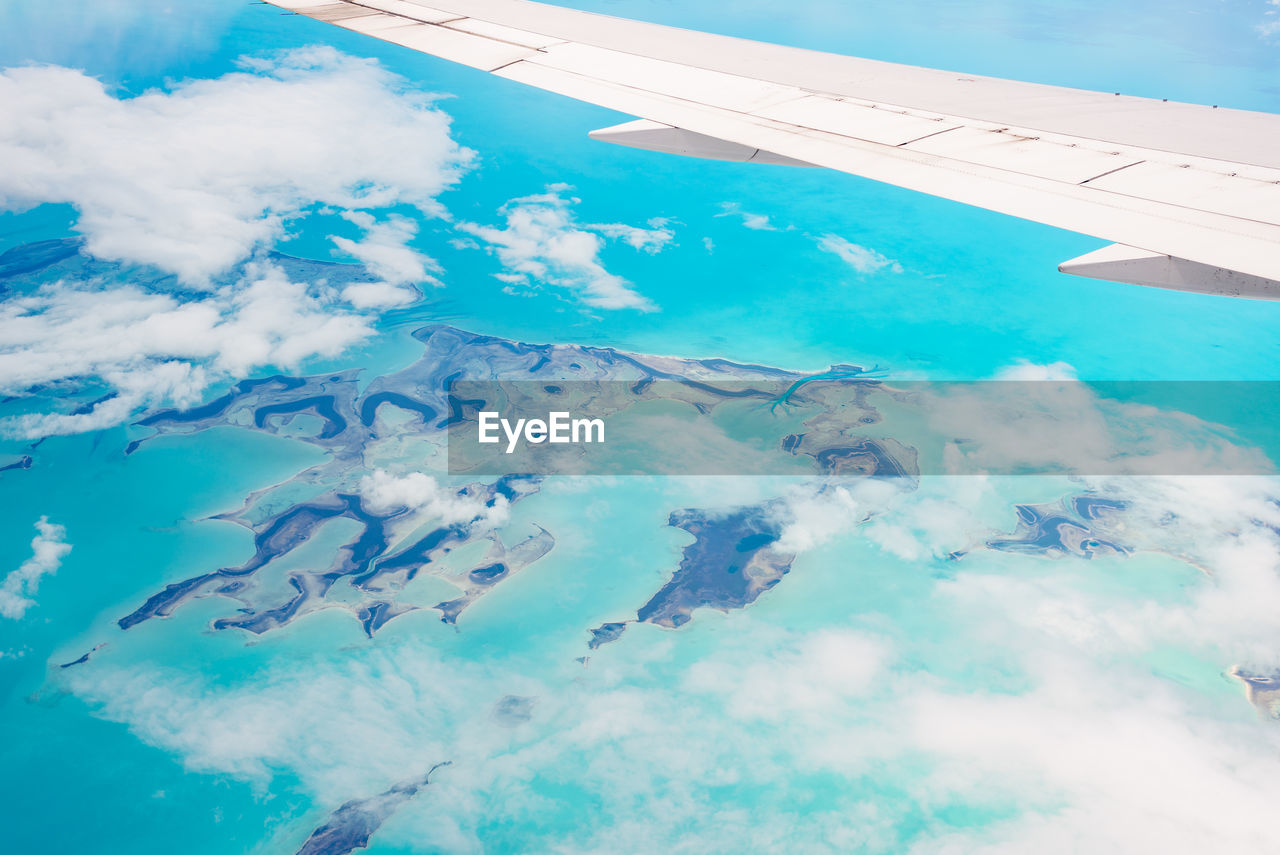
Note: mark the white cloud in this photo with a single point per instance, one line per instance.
(385, 252)
(1099, 749)
(942, 516)
(1225, 525)
(416, 491)
(378, 295)
(1135, 769)
(815, 676)
(198, 181)
(389, 725)
(352, 724)
(1103, 751)
(193, 179)
(755, 222)
(543, 242)
(651, 240)
(860, 258)
(811, 517)
(1270, 24)
(154, 348)
(48, 548)
(1078, 752)
(1024, 369)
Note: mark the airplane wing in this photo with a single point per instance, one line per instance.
(1188, 194)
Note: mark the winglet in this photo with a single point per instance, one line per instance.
(1120, 263)
(655, 136)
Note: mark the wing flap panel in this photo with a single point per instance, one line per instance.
(739, 94)
(463, 48)
(503, 34)
(425, 14)
(858, 121)
(337, 12)
(1198, 188)
(1004, 149)
(1241, 244)
(1178, 184)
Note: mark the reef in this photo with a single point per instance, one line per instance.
(371, 563)
(353, 823)
(501, 563)
(1261, 689)
(23, 462)
(31, 257)
(84, 658)
(731, 562)
(403, 422)
(407, 415)
(1085, 526)
(606, 633)
(513, 710)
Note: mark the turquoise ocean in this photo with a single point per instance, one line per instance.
(806, 721)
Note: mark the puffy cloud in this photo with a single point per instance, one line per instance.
(1080, 751)
(1024, 369)
(814, 676)
(543, 242)
(353, 724)
(191, 180)
(651, 240)
(1269, 27)
(755, 222)
(420, 493)
(942, 516)
(1094, 747)
(151, 348)
(860, 258)
(385, 252)
(1096, 767)
(1225, 526)
(1097, 748)
(378, 295)
(811, 517)
(1101, 751)
(390, 723)
(48, 548)
(1222, 526)
(198, 180)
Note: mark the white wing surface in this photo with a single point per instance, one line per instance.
(1189, 194)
